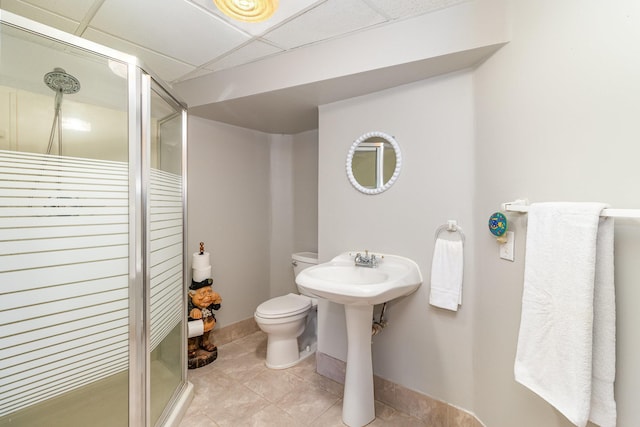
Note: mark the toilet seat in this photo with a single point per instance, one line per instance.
(284, 306)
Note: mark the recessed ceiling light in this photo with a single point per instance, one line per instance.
(248, 10)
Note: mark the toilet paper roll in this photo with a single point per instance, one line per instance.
(200, 274)
(195, 328)
(201, 261)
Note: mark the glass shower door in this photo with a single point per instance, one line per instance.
(64, 235)
(166, 222)
(92, 224)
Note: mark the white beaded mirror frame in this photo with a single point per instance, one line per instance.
(381, 186)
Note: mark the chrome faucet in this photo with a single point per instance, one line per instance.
(366, 260)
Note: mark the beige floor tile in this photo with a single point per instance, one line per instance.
(197, 419)
(307, 402)
(231, 351)
(238, 390)
(326, 384)
(383, 411)
(234, 402)
(273, 385)
(461, 418)
(241, 368)
(271, 416)
(255, 343)
(332, 417)
(399, 419)
(206, 388)
(305, 369)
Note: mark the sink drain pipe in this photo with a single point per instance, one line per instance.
(378, 326)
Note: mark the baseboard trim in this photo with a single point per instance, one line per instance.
(432, 411)
(235, 331)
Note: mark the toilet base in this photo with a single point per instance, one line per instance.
(302, 355)
(290, 338)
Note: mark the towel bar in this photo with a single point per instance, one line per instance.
(451, 226)
(522, 206)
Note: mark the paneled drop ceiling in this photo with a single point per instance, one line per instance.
(183, 39)
(188, 43)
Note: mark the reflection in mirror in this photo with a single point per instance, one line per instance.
(373, 162)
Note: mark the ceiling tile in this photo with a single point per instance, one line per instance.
(166, 68)
(251, 52)
(198, 72)
(403, 8)
(330, 19)
(180, 39)
(174, 28)
(40, 15)
(73, 9)
(285, 10)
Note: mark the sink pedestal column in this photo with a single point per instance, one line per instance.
(358, 404)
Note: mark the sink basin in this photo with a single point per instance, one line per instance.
(359, 288)
(342, 282)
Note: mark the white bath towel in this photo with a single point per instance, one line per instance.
(566, 344)
(446, 274)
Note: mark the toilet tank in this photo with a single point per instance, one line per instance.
(302, 260)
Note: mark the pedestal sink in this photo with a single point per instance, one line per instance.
(359, 288)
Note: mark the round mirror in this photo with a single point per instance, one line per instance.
(373, 162)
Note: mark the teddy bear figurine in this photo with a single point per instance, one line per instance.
(203, 300)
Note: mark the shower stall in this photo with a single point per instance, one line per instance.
(92, 222)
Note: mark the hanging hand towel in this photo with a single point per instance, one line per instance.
(446, 274)
(566, 344)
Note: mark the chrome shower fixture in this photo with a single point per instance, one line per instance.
(60, 81)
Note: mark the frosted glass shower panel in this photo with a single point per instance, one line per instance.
(166, 254)
(92, 203)
(166, 221)
(165, 217)
(65, 232)
(64, 274)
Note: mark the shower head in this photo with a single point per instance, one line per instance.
(62, 83)
(59, 81)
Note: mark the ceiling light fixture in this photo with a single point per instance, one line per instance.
(247, 10)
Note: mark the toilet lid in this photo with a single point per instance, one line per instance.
(286, 305)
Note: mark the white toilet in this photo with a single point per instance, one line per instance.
(290, 321)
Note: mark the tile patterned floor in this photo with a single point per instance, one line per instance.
(239, 390)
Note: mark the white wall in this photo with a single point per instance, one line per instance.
(281, 214)
(423, 348)
(228, 208)
(557, 119)
(252, 198)
(305, 192)
(551, 116)
(294, 204)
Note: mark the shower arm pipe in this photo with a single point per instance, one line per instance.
(53, 132)
(56, 122)
(59, 123)
(522, 206)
